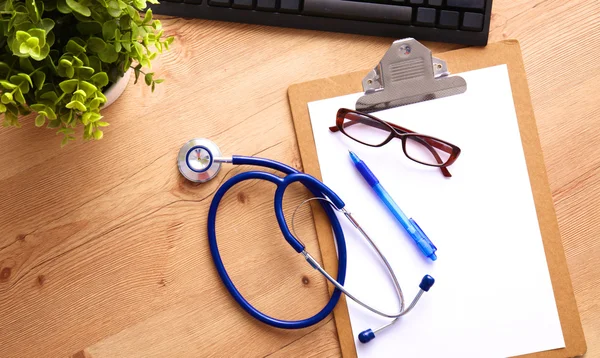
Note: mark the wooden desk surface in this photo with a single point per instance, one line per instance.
(103, 250)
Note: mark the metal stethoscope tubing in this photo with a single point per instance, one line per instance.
(200, 160)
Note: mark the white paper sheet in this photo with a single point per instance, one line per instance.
(492, 295)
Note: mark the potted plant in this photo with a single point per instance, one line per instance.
(58, 59)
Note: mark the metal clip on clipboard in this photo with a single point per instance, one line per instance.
(406, 74)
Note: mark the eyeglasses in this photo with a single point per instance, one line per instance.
(374, 132)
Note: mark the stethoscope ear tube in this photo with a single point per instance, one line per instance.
(314, 186)
(214, 249)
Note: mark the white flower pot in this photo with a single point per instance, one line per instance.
(115, 90)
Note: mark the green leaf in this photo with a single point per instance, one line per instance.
(101, 96)
(66, 117)
(88, 131)
(50, 96)
(62, 7)
(85, 72)
(100, 79)
(64, 141)
(148, 78)
(40, 120)
(84, 58)
(137, 72)
(25, 64)
(89, 88)
(7, 85)
(126, 45)
(4, 68)
(102, 124)
(108, 55)
(145, 61)
(114, 9)
(80, 94)
(54, 123)
(77, 62)
(50, 113)
(69, 86)
(96, 64)
(147, 17)
(70, 72)
(138, 48)
(21, 83)
(26, 78)
(32, 43)
(98, 134)
(76, 105)
(74, 48)
(39, 34)
(117, 46)
(38, 107)
(12, 109)
(85, 118)
(47, 24)
(77, 7)
(41, 54)
(19, 96)
(6, 98)
(38, 79)
(2, 108)
(95, 117)
(96, 44)
(22, 36)
(108, 30)
(168, 42)
(34, 14)
(140, 4)
(95, 103)
(133, 13)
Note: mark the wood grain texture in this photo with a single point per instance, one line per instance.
(103, 249)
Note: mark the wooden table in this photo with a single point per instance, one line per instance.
(103, 251)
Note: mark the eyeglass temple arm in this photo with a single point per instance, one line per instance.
(427, 143)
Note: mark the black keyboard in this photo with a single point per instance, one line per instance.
(457, 21)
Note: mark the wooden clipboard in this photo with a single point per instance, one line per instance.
(506, 52)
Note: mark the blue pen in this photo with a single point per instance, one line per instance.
(415, 232)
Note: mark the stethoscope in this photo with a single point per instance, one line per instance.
(200, 160)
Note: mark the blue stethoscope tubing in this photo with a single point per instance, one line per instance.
(318, 189)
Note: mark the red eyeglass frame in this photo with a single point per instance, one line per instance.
(401, 133)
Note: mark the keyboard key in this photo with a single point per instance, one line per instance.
(426, 16)
(266, 5)
(449, 19)
(417, 2)
(242, 4)
(289, 6)
(469, 4)
(226, 3)
(472, 21)
(435, 2)
(358, 10)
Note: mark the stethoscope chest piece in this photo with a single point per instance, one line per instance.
(196, 160)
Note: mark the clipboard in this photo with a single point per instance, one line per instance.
(506, 52)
